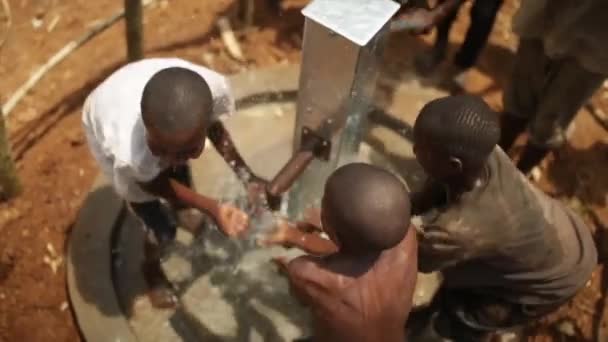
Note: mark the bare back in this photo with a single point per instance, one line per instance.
(358, 298)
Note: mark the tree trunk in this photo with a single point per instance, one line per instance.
(133, 17)
(9, 182)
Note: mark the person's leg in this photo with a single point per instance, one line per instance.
(522, 94)
(568, 87)
(160, 291)
(157, 220)
(187, 218)
(483, 15)
(426, 62)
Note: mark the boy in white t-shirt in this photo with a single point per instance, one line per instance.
(143, 124)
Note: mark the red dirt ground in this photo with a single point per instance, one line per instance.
(57, 170)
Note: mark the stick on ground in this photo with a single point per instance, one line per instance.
(60, 56)
(232, 45)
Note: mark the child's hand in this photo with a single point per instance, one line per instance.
(232, 221)
(278, 237)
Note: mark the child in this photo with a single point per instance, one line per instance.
(362, 289)
(561, 61)
(508, 252)
(143, 124)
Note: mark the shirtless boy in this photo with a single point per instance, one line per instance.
(143, 124)
(360, 285)
(508, 252)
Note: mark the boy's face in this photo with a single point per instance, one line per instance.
(178, 148)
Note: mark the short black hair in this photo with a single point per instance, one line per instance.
(367, 207)
(462, 126)
(176, 100)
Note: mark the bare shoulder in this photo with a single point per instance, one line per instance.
(313, 270)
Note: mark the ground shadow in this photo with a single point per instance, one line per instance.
(287, 23)
(381, 118)
(212, 255)
(27, 136)
(407, 168)
(577, 173)
(89, 254)
(495, 61)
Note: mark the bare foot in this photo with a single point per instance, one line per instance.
(160, 293)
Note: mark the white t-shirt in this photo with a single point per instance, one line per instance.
(115, 130)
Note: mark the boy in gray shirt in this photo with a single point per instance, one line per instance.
(508, 252)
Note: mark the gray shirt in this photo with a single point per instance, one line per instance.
(506, 238)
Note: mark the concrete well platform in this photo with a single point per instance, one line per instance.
(228, 290)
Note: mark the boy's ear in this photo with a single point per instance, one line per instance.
(455, 164)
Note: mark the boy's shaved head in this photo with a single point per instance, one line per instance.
(462, 127)
(368, 208)
(176, 100)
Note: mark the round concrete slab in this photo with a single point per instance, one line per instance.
(228, 290)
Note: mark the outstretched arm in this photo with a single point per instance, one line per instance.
(223, 143)
(173, 191)
(291, 235)
(219, 136)
(230, 220)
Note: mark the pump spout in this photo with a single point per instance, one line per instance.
(313, 146)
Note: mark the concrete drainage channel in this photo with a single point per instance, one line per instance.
(227, 291)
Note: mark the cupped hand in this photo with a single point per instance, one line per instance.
(278, 236)
(232, 221)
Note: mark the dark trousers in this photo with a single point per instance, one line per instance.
(483, 14)
(159, 218)
(543, 97)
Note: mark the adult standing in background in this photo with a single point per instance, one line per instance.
(561, 61)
